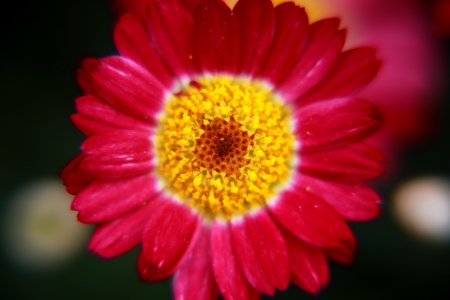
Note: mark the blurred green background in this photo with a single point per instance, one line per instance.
(42, 44)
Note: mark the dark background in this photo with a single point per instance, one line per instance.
(42, 44)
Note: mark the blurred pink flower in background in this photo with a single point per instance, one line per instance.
(441, 17)
(406, 85)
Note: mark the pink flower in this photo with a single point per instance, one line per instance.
(441, 17)
(229, 144)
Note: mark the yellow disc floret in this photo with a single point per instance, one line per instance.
(224, 146)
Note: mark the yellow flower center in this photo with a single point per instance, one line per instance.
(224, 146)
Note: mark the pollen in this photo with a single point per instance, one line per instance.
(224, 146)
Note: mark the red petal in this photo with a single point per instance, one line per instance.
(232, 283)
(353, 162)
(103, 201)
(309, 269)
(168, 233)
(190, 4)
(256, 22)
(95, 117)
(329, 124)
(194, 278)
(312, 220)
(170, 26)
(216, 42)
(126, 85)
(133, 40)
(323, 47)
(121, 235)
(343, 255)
(352, 200)
(261, 252)
(289, 39)
(118, 154)
(75, 179)
(354, 70)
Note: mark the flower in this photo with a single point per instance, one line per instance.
(422, 207)
(39, 231)
(229, 144)
(441, 17)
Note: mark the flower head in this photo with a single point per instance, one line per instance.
(229, 144)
